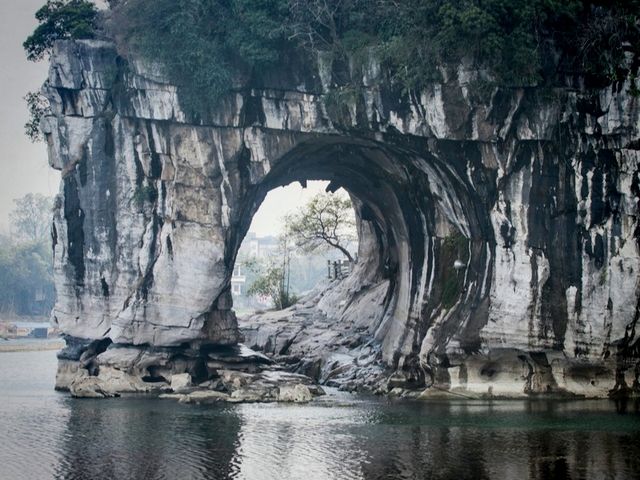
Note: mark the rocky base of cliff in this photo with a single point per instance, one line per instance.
(514, 373)
(339, 352)
(305, 340)
(297, 363)
(204, 375)
(288, 355)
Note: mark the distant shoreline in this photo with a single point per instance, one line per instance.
(35, 346)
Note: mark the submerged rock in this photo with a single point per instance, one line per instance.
(91, 387)
(294, 393)
(203, 397)
(68, 371)
(180, 381)
(255, 389)
(136, 370)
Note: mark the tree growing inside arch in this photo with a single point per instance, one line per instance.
(326, 222)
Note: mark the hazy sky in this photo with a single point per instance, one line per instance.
(280, 201)
(23, 165)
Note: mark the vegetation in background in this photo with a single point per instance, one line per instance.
(31, 218)
(274, 279)
(26, 273)
(272, 284)
(26, 278)
(327, 221)
(59, 19)
(325, 224)
(305, 272)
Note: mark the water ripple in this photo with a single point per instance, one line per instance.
(46, 435)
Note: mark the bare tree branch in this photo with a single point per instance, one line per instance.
(327, 221)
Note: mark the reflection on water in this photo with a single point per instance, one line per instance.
(49, 435)
(146, 439)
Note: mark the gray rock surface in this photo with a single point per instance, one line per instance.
(242, 387)
(294, 393)
(90, 387)
(180, 381)
(536, 191)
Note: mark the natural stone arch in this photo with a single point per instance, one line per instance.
(407, 203)
(154, 203)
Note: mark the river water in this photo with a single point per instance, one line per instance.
(44, 435)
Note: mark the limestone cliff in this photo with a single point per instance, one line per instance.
(536, 191)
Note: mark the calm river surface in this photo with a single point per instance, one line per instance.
(44, 434)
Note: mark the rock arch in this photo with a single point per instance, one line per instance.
(408, 205)
(523, 189)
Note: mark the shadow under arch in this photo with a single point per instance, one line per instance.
(416, 216)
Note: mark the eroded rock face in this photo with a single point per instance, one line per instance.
(534, 191)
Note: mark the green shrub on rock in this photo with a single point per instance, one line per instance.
(203, 43)
(207, 45)
(60, 19)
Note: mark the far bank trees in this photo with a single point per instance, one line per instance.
(26, 271)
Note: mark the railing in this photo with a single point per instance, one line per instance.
(338, 269)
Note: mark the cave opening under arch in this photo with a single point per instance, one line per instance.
(424, 246)
(304, 260)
